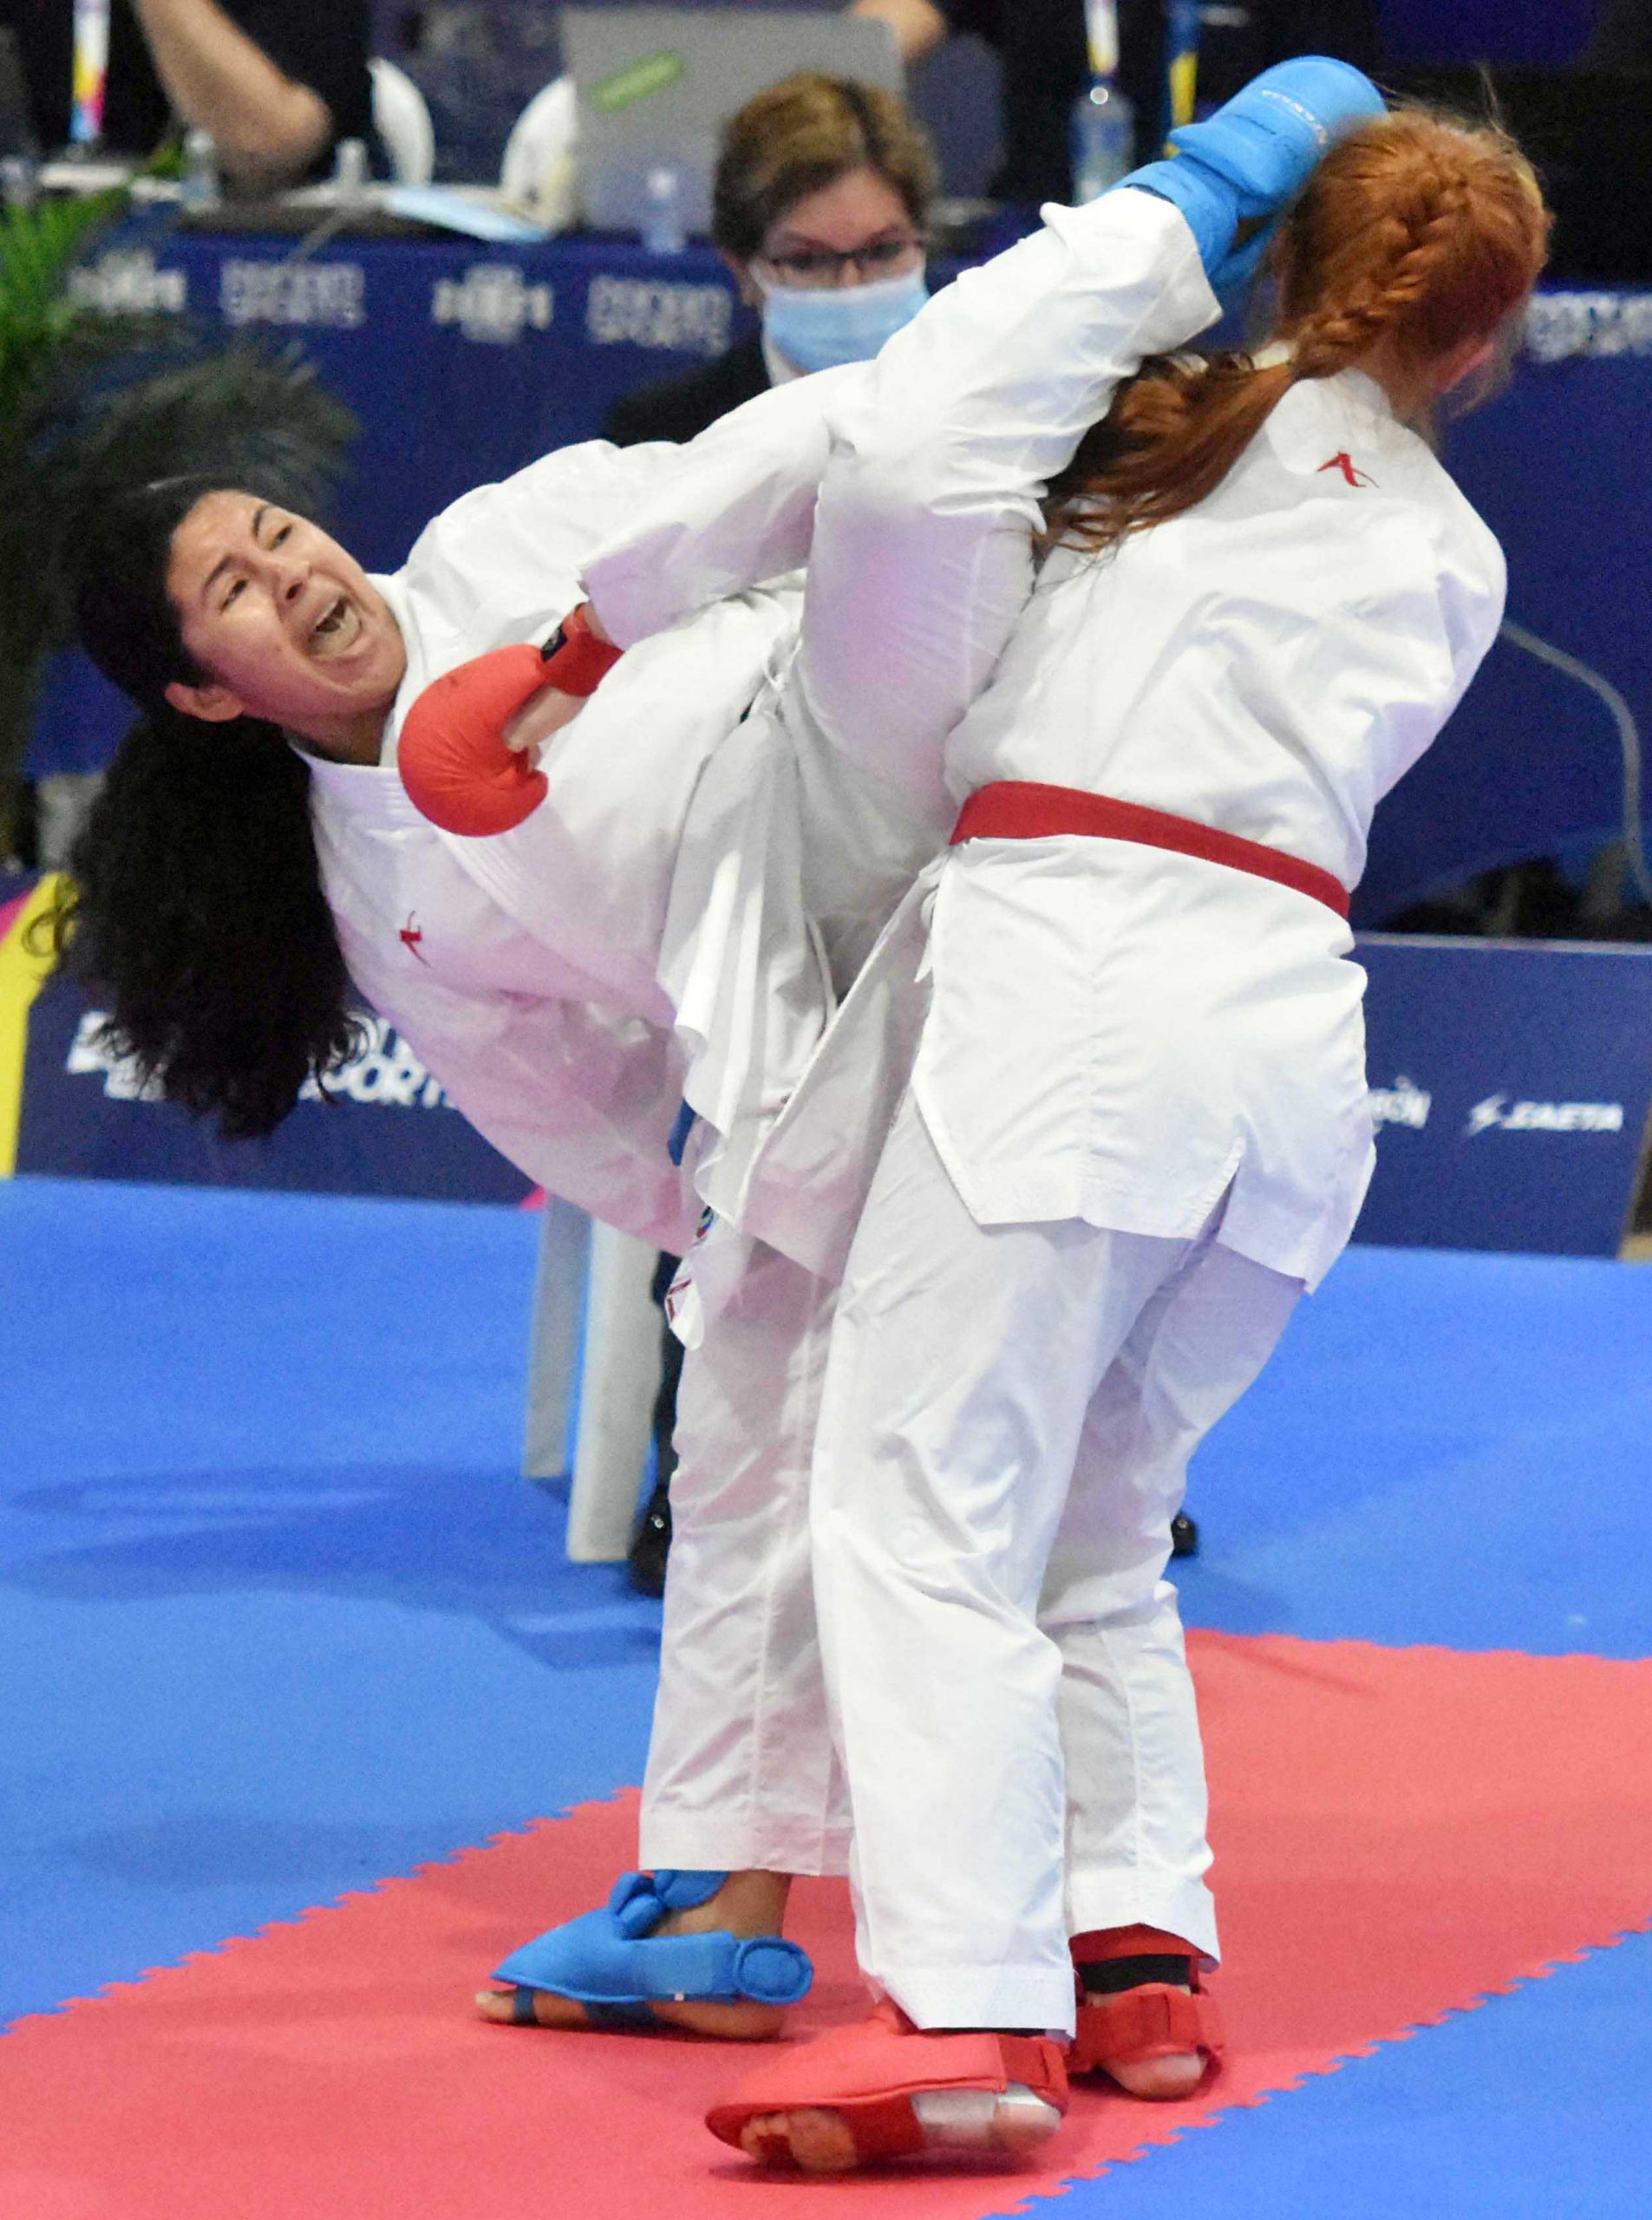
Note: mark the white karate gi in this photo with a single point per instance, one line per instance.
(1136, 1128)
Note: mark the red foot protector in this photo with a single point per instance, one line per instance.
(1155, 2019)
(451, 754)
(1398, 1834)
(869, 2073)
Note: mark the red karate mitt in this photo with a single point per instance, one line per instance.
(451, 755)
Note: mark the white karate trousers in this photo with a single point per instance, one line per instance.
(1007, 1415)
(741, 1770)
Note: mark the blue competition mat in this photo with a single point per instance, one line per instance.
(282, 1619)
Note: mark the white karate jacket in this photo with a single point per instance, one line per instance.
(1122, 1034)
(523, 968)
(1102, 1031)
(642, 935)
(691, 866)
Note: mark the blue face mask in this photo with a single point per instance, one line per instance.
(817, 329)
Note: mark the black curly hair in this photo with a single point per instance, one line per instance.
(194, 903)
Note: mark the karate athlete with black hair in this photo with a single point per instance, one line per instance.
(633, 934)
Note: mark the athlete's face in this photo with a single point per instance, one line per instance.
(284, 625)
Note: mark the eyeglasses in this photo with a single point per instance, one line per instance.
(819, 266)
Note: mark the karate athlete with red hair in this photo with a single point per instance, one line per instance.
(1136, 1127)
(906, 607)
(742, 1790)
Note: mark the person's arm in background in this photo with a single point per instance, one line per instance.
(269, 128)
(919, 25)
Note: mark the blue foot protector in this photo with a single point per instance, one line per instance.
(1257, 152)
(606, 1961)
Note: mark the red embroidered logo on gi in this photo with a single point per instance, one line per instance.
(410, 935)
(1345, 464)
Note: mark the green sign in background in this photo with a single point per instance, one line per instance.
(636, 81)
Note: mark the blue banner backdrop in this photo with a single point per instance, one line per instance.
(1512, 1083)
(388, 1128)
(1533, 760)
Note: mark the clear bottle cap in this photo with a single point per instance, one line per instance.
(349, 165)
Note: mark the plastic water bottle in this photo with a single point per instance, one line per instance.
(350, 175)
(19, 181)
(663, 231)
(1103, 136)
(199, 186)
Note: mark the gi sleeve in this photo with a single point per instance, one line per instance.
(730, 510)
(581, 1101)
(520, 544)
(923, 547)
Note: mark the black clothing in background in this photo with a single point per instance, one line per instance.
(1043, 47)
(321, 43)
(679, 408)
(1622, 38)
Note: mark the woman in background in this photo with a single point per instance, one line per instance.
(820, 207)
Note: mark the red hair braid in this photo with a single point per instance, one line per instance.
(1418, 234)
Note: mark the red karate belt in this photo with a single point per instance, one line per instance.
(1022, 809)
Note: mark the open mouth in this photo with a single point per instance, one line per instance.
(337, 629)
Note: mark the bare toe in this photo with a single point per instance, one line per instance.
(1161, 2077)
(498, 2005)
(818, 2141)
(765, 2140)
(821, 2143)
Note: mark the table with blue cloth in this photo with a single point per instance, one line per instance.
(464, 361)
